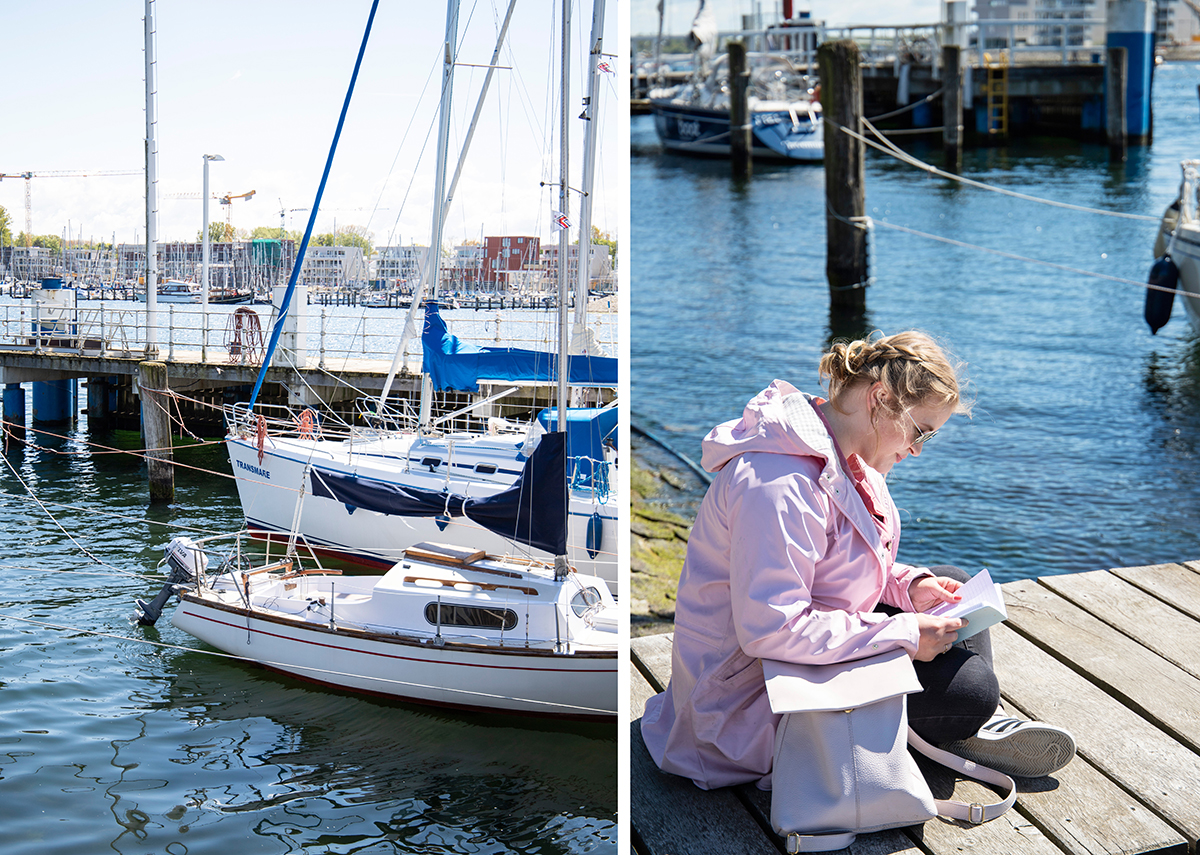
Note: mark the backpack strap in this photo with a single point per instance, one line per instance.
(975, 813)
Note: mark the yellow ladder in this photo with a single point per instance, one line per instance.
(997, 95)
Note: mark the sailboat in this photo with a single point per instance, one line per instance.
(444, 625)
(784, 108)
(280, 472)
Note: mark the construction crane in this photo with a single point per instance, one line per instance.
(27, 175)
(227, 199)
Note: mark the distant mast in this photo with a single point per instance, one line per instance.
(151, 184)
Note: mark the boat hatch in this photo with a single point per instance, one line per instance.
(485, 468)
(431, 462)
(475, 617)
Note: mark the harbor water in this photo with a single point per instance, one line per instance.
(1083, 452)
(118, 738)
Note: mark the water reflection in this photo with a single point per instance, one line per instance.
(318, 765)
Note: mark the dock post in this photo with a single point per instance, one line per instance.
(740, 163)
(1114, 102)
(1131, 26)
(845, 199)
(14, 411)
(156, 429)
(952, 107)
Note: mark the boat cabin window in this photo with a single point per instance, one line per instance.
(485, 468)
(583, 600)
(431, 462)
(472, 616)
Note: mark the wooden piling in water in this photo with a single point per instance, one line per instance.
(740, 139)
(845, 199)
(156, 429)
(952, 107)
(1116, 74)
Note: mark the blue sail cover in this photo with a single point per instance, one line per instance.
(532, 511)
(454, 364)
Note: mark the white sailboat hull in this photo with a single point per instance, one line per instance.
(276, 497)
(528, 682)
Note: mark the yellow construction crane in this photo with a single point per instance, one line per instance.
(227, 199)
(27, 175)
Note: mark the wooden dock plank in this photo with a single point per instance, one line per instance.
(1140, 678)
(670, 815)
(652, 656)
(1135, 613)
(1163, 774)
(1177, 584)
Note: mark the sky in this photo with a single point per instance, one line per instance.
(678, 14)
(262, 83)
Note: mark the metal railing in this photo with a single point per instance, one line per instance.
(1055, 37)
(332, 338)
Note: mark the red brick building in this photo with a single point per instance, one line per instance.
(505, 254)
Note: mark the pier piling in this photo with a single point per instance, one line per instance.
(1116, 126)
(156, 429)
(845, 199)
(740, 138)
(952, 107)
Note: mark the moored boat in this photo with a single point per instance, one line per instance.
(1177, 254)
(445, 625)
(784, 112)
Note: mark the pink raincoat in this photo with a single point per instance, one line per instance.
(785, 561)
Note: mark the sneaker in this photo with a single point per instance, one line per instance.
(1027, 749)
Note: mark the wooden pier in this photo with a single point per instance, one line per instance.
(1114, 656)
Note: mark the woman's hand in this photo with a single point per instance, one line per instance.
(929, 591)
(938, 634)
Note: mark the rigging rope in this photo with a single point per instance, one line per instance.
(277, 328)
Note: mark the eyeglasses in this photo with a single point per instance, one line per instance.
(922, 435)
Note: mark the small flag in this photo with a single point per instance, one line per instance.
(561, 221)
(606, 66)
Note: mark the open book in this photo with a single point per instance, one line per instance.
(982, 605)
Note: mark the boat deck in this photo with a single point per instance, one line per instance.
(1114, 656)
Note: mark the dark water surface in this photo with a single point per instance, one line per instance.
(109, 744)
(1082, 452)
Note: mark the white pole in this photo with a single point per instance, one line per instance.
(564, 202)
(439, 191)
(204, 259)
(592, 116)
(151, 185)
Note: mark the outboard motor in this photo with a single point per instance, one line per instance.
(1164, 274)
(188, 563)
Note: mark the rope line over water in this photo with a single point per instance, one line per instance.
(890, 148)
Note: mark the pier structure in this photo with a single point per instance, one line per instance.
(1111, 655)
(1018, 77)
(54, 349)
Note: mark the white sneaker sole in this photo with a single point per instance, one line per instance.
(1029, 751)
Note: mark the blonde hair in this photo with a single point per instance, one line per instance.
(913, 368)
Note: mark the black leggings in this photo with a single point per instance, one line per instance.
(961, 690)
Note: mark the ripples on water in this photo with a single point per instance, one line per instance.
(110, 745)
(1081, 454)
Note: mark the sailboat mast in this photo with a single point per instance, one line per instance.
(151, 182)
(591, 114)
(564, 203)
(561, 568)
(449, 51)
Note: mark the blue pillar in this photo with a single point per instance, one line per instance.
(97, 399)
(54, 401)
(14, 403)
(1131, 26)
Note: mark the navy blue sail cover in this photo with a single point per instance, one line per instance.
(532, 511)
(453, 364)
